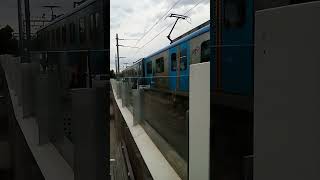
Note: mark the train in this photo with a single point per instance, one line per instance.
(75, 43)
(226, 41)
(168, 68)
(229, 50)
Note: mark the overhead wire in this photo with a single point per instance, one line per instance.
(157, 22)
(168, 26)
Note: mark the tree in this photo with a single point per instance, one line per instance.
(112, 75)
(8, 45)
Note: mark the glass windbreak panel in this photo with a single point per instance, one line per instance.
(70, 69)
(162, 114)
(205, 51)
(82, 30)
(183, 59)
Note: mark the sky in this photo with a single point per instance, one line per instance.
(9, 11)
(131, 19)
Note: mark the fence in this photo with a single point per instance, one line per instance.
(162, 113)
(64, 106)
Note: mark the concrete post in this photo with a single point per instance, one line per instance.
(199, 121)
(118, 89)
(19, 81)
(54, 103)
(125, 94)
(48, 107)
(137, 106)
(42, 108)
(122, 93)
(27, 86)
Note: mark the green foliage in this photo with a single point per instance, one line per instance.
(112, 74)
(8, 44)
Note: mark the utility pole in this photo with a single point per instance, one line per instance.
(21, 31)
(115, 63)
(118, 57)
(28, 30)
(117, 44)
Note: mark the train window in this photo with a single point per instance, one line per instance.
(53, 38)
(58, 36)
(97, 21)
(82, 30)
(149, 68)
(205, 51)
(183, 59)
(173, 62)
(159, 65)
(234, 13)
(64, 34)
(72, 31)
(47, 36)
(92, 26)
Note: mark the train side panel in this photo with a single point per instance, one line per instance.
(183, 67)
(160, 73)
(200, 52)
(237, 47)
(172, 68)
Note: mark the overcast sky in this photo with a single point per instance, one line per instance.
(131, 19)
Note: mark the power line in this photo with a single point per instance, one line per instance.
(128, 46)
(129, 39)
(156, 36)
(152, 39)
(168, 26)
(193, 7)
(119, 45)
(158, 21)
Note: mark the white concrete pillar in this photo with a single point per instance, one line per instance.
(199, 122)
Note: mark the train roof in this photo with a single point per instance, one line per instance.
(74, 10)
(133, 65)
(192, 30)
(186, 38)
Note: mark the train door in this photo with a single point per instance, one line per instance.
(237, 46)
(231, 125)
(172, 69)
(183, 67)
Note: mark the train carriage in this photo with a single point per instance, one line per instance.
(75, 42)
(168, 69)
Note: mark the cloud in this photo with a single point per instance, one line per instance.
(114, 25)
(143, 15)
(133, 34)
(130, 19)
